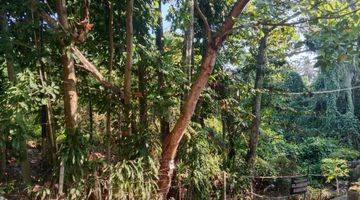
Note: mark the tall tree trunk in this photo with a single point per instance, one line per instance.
(143, 94)
(172, 140)
(70, 94)
(164, 123)
(49, 146)
(259, 81)
(111, 63)
(128, 65)
(67, 62)
(188, 40)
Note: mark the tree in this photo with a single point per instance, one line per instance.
(128, 66)
(172, 141)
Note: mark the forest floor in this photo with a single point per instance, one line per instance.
(13, 189)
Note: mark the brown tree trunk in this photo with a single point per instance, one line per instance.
(164, 123)
(143, 94)
(67, 62)
(259, 81)
(173, 139)
(70, 94)
(128, 66)
(111, 63)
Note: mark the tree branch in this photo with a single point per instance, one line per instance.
(45, 16)
(327, 16)
(225, 29)
(205, 21)
(89, 67)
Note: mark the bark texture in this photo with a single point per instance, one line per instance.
(189, 39)
(259, 81)
(172, 140)
(70, 94)
(128, 65)
(69, 87)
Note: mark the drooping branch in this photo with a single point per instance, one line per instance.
(89, 67)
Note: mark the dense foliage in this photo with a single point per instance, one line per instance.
(89, 97)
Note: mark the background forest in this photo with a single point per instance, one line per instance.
(183, 99)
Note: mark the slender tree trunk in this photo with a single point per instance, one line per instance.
(173, 139)
(70, 94)
(143, 94)
(128, 66)
(188, 40)
(164, 123)
(259, 81)
(51, 134)
(111, 63)
(49, 146)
